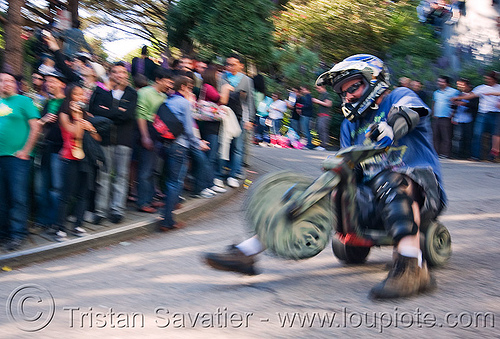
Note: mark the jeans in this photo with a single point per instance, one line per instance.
(442, 132)
(176, 162)
(304, 126)
(324, 130)
(202, 171)
(112, 196)
(295, 124)
(213, 156)
(462, 138)
(76, 186)
(49, 179)
(276, 126)
(261, 130)
(14, 178)
(485, 123)
(145, 176)
(236, 153)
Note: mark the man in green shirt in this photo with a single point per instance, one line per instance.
(18, 133)
(149, 99)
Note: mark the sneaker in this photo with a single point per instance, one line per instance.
(207, 194)
(97, 219)
(319, 148)
(211, 191)
(218, 182)
(263, 144)
(88, 217)
(232, 182)
(71, 218)
(147, 209)
(405, 279)
(218, 189)
(14, 245)
(61, 236)
(79, 232)
(115, 218)
(232, 260)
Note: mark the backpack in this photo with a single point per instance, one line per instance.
(165, 126)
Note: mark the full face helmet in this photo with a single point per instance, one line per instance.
(369, 69)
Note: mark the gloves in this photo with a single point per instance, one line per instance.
(381, 133)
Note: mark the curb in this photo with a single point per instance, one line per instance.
(191, 209)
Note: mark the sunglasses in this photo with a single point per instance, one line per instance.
(353, 88)
(37, 78)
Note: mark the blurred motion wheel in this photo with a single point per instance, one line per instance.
(436, 244)
(290, 238)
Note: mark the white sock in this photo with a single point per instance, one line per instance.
(411, 252)
(251, 246)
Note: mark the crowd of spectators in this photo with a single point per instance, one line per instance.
(80, 139)
(462, 116)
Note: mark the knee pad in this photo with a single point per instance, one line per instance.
(392, 193)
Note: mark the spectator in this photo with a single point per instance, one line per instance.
(76, 167)
(306, 114)
(200, 67)
(63, 64)
(261, 105)
(463, 121)
(416, 86)
(37, 92)
(143, 65)
(149, 99)
(294, 100)
(47, 66)
(404, 82)
(243, 87)
(324, 103)
(442, 111)
(18, 133)
(175, 153)
(74, 40)
(48, 167)
(209, 130)
(119, 105)
(140, 81)
(487, 120)
(277, 110)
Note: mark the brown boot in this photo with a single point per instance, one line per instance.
(405, 278)
(232, 260)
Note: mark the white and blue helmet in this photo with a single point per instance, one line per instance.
(367, 67)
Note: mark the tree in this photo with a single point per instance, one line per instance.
(220, 27)
(337, 29)
(13, 59)
(144, 18)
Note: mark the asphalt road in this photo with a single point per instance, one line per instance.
(157, 286)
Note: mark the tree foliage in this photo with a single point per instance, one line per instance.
(220, 27)
(144, 18)
(337, 29)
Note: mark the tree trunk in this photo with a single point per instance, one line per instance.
(13, 43)
(73, 9)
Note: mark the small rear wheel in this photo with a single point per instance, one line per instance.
(436, 244)
(349, 254)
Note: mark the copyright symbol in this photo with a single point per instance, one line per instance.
(31, 307)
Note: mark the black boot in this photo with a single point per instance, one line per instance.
(232, 260)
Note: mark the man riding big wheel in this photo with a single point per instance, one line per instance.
(405, 182)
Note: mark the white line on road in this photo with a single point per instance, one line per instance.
(459, 217)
